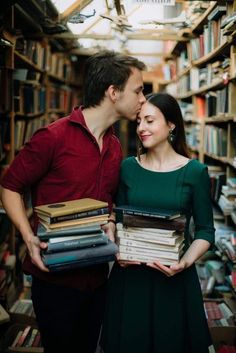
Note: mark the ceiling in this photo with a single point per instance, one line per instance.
(128, 26)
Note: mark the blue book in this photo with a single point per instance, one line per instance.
(147, 212)
(44, 234)
(84, 254)
(65, 266)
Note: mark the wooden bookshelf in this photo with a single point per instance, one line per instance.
(205, 86)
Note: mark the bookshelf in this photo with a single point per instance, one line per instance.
(201, 75)
(39, 83)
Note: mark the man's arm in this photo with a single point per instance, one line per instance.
(15, 209)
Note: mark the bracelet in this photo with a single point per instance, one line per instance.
(112, 221)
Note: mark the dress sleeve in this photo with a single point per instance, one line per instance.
(202, 208)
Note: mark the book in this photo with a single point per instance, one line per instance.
(150, 237)
(69, 207)
(84, 254)
(150, 245)
(45, 234)
(147, 212)
(78, 243)
(102, 219)
(79, 215)
(23, 336)
(145, 258)
(150, 252)
(157, 231)
(4, 316)
(177, 224)
(65, 266)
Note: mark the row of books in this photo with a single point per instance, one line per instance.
(73, 233)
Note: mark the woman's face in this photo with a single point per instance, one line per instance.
(152, 128)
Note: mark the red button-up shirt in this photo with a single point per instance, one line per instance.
(63, 162)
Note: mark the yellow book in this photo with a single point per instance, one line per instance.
(69, 207)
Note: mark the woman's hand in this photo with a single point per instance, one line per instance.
(168, 270)
(110, 230)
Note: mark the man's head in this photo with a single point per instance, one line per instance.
(105, 69)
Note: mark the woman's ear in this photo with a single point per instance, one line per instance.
(171, 126)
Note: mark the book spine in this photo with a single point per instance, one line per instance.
(97, 212)
(156, 253)
(158, 240)
(141, 213)
(76, 244)
(23, 336)
(143, 258)
(148, 245)
(80, 254)
(82, 263)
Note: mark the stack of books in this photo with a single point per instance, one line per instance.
(73, 233)
(148, 235)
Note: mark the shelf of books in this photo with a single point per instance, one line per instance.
(201, 75)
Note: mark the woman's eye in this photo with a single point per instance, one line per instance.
(149, 121)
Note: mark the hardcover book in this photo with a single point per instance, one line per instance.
(85, 254)
(79, 243)
(78, 215)
(65, 266)
(75, 222)
(45, 234)
(147, 212)
(70, 207)
(177, 224)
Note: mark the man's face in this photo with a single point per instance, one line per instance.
(130, 100)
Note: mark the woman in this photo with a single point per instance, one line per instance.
(154, 308)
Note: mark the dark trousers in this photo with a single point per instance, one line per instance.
(69, 320)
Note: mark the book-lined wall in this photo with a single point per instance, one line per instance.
(200, 72)
(40, 81)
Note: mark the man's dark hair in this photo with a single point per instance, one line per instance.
(104, 69)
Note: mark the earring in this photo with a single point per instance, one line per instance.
(171, 136)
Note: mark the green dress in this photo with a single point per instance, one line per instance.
(148, 312)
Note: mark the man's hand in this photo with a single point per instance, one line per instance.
(34, 247)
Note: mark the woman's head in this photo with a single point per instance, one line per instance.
(163, 110)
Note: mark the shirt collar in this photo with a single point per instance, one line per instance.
(77, 117)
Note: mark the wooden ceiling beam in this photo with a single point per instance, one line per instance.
(77, 4)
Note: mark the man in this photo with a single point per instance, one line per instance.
(75, 157)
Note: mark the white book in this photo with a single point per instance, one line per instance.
(151, 252)
(153, 238)
(148, 245)
(145, 258)
(138, 230)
